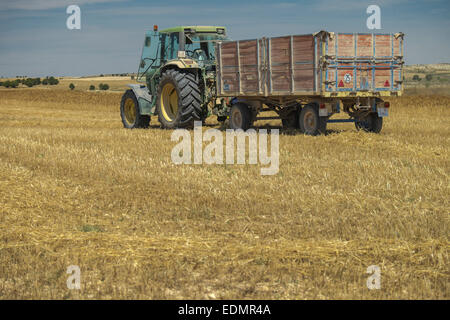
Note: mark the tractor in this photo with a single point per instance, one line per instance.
(178, 69)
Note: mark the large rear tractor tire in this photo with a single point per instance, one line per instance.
(371, 123)
(310, 122)
(130, 114)
(179, 101)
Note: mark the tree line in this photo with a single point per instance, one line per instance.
(29, 82)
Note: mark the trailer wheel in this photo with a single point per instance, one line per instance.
(130, 114)
(371, 123)
(240, 117)
(309, 121)
(179, 101)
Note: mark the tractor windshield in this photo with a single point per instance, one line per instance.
(201, 46)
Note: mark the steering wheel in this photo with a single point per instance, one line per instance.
(190, 53)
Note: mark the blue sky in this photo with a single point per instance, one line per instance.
(34, 40)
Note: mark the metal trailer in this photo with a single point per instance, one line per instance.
(308, 78)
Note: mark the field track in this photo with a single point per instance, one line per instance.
(78, 189)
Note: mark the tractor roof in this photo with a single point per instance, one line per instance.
(196, 28)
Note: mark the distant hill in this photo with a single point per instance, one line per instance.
(424, 68)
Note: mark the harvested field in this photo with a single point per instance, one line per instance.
(78, 189)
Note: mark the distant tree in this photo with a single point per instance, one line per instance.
(1, 83)
(28, 82)
(103, 86)
(11, 84)
(53, 81)
(429, 77)
(91, 87)
(71, 86)
(416, 77)
(45, 82)
(132, 77)
(101, 75)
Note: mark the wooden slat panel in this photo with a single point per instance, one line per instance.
(303, 62)
(280, 58)
(230, 67)
(381, 75)
(229, 54)
(230, 82)
(364, 45)
(383, 45)
(304, 78)
(346, 46)
(249, 68)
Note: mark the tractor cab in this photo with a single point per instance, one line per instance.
(177, 71)
(193, 46)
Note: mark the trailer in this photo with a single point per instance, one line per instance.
(306, 79)
(191, 72)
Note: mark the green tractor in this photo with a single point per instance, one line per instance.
(178, 68)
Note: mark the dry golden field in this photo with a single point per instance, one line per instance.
(78, 189)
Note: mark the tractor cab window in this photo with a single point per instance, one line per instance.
(150, 58)
(169, 46)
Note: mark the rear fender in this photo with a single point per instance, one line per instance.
(144, 98)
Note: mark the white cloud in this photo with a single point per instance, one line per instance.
(46, 4)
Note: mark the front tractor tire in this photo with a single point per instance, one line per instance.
(371, 123)
(310, 122)
(179, 101)
(130, 113)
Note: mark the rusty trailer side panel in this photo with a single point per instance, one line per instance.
(323, 64)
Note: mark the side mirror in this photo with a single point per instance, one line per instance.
(142, 65)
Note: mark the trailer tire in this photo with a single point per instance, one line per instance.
(371, 123)
(310, 122)
(240, 117)
(130, 113)
(179, 100)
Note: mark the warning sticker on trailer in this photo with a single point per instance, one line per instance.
(348, 78)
